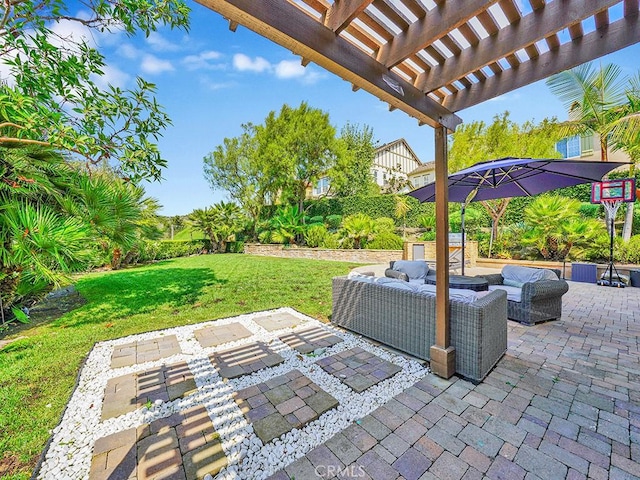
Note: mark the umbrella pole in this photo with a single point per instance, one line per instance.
(462, 230)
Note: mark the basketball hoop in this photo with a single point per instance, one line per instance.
(611, 194)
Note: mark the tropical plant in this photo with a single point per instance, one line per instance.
(401, 209)
(316, 235)
(228, 222)
(386, 241)
(555, 228)
(39, 242)
(593, 97)
(384, 224)
(220, 222)
(287, 225)
(357, 228)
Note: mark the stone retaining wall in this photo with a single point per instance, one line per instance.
(339, 255)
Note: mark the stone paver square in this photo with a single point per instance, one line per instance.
(358, 369)
(127, 393)
(181, 446)
(218, 334)
(279, 408)
(309, 340)
(244, 360)
(144, 351)
(278, 321)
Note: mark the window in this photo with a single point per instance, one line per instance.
(322, 186)
(586, 144)
(575, 146)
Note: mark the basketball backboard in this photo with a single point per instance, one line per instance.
(623, 190)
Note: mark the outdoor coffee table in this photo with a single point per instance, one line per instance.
(477, 284)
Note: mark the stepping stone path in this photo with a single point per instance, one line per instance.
(283, 403)
(219, 334)
(307, 341)
(244, 360)
(278, 321)
(144, 351)
(182, 446)
(358, 368)
(129, 392)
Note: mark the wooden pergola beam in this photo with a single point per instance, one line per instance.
(342, 12)
(434, 25)
(619, 34)
(289, 26)
(537, 25)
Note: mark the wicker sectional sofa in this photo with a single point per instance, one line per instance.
(405, 320)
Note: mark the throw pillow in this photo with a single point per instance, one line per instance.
(512, 283)
(416, 269)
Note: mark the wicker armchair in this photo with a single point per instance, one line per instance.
(541, 300)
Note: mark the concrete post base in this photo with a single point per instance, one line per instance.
(443, 361)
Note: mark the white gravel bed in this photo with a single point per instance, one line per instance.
(70, 451)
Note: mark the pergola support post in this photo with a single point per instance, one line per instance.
(443, 355)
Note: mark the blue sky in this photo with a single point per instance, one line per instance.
(211, 81)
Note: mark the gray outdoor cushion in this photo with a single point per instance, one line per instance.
(527, 274)
(415, 269)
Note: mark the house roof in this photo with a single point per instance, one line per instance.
(390, 145)
(432, 58)
(425, 167)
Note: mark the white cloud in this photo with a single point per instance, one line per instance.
(161, 44)
(111, 76)
(153, 65)
(202, 61)
(244, 63)
(289, 69)
(66, 32)
(128, 51)
(210, 84)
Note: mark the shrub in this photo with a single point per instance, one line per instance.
(330, 241)
(316, 219)
(386, 241)
(316, 235)
(333, 221)
(384, 224)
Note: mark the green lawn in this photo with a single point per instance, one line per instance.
(189, 233)
(38, 373)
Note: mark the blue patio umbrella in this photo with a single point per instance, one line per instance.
(515, 177)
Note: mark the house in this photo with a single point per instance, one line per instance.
(424, 174)
(395, 163)
(587, 147)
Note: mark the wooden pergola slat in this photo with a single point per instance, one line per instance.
(620, 34)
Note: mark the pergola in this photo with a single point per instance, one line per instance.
(432, 58)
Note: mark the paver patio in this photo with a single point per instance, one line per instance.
(564, 402)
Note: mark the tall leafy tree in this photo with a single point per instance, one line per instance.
(351, 174)
(236, 167)
(297, 146)
(51, 98)
(479, 142)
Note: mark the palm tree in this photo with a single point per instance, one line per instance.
(228, 221)
(593, 98)
(287, 225)
(202, 219)
(358, 227)
(401, 209)
(556, 228)
(39, 242)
